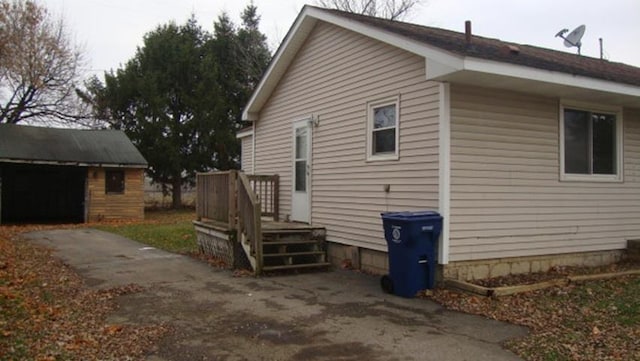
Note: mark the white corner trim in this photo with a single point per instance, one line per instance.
(253, 149)
(444, 164)
(548, 76)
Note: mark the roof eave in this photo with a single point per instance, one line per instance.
(441, 65)
(551, 83)
(72, 163)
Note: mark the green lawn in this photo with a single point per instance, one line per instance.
(170, 230)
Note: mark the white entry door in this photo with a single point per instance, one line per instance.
(301, 197)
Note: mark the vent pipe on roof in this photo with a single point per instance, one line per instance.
(467, 31)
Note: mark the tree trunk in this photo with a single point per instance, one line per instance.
(176, 192)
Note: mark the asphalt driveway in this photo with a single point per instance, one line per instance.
(340, 315)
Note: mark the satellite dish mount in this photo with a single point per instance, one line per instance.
(574, 37)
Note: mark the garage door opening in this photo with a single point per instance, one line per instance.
(42, 193)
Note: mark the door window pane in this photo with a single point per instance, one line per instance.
(301, 176)
(301, 143)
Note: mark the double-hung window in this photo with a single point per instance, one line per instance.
(591, 144)
(383, 130)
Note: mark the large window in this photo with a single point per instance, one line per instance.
(114, 181)
(591, 144)
(382, 130)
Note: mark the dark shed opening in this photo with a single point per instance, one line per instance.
(42, 193)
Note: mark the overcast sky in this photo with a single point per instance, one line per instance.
(110, 30)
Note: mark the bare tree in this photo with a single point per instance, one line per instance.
(389, 9)
(39, 65)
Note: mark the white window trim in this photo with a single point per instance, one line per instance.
(377, 104)
(589, 107)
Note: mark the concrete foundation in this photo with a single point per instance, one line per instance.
(377, 262)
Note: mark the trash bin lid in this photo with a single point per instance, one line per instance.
(410, 216)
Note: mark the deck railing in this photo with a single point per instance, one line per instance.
(249, 219)
(238, 201)
(215, 198)
(266, 188)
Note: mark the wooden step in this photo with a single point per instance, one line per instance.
(296, 266)
(289, 254)
(286, 231)
(289, 243)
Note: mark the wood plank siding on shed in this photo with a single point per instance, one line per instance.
(506, 196)
(333, 77)
(129, 205)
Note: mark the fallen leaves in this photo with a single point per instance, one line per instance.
(597, 320)
(46, 313)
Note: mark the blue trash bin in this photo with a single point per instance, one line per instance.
(412, 240)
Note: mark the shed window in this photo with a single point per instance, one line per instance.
(591, 145)
(114, 181)
(382, 124)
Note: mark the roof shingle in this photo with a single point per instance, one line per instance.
(99, 147)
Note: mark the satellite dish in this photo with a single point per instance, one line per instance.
(574, 37)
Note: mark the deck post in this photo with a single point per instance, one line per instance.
(257, 219)
(276, 197)
(233, 199)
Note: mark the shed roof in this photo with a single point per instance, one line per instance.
(28, 144)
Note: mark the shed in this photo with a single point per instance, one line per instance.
(68, 175)
(532, 155)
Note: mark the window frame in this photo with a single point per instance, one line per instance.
(106, 181)
(371, 106)
(619, 154)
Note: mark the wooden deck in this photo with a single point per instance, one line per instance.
(245, 208)
(268, 225)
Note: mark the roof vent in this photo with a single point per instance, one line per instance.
(513, 49)
(467, 31)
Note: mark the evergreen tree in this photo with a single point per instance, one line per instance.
(181, 96)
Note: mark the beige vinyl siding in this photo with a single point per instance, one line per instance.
(506, 196)
(334, 75)
(246, 155)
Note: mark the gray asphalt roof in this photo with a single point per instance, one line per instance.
(20, 143)
(498, 50)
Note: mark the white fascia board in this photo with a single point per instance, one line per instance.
(446, 62)
(398, 41)
(244, 133)
(548, 76)
(279, 63)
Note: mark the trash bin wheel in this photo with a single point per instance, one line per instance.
(386, 283)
